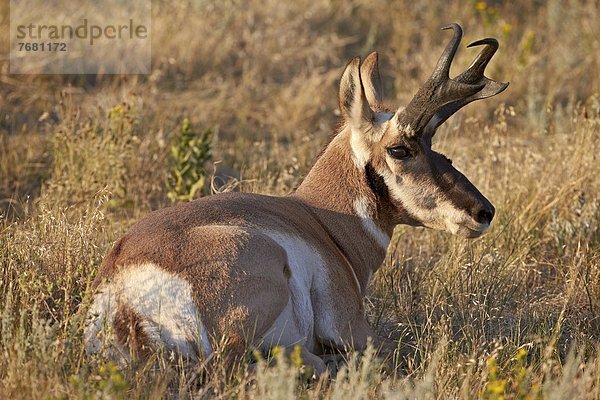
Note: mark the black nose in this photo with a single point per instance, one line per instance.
(484, 214)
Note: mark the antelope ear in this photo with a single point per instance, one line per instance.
(353, 103)
(369, 75)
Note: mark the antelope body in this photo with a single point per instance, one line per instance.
(264, 271)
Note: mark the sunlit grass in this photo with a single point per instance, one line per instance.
(512, 315)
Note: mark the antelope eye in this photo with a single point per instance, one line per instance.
(399, 152)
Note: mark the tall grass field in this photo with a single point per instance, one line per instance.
(243, 96)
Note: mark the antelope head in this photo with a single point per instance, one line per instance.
(420, 186)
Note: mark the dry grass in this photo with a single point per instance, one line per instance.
(512, 315)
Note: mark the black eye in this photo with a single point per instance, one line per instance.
(399, 152)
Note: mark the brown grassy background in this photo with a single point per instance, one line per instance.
(513, 314)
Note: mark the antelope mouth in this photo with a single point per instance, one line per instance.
(467, 230)
(472, 231)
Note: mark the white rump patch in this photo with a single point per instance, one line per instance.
(361, 207)
(162, 300)
(98, 330)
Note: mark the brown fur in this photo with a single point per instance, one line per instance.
(239, 275)
(129, 332)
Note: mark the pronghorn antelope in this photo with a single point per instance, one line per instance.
(293, 270)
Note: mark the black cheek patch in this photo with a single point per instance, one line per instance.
(384, 202)
(377, 184)
(429, 203)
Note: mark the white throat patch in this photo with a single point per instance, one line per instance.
(361, 207)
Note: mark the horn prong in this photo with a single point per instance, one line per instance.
(442, 69)
(489, 41)
(441, 96)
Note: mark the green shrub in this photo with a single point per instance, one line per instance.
(189, 155)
